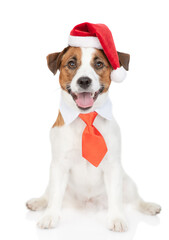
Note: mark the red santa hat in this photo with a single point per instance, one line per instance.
(98, 36)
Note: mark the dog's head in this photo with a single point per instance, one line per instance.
(84, 75)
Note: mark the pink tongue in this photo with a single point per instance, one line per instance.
(84, 100)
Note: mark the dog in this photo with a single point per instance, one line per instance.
(85, 80)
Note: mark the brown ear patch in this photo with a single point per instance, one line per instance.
(54, 60)
(59, 121)
(124, 59)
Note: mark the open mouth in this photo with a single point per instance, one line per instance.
(85, 100)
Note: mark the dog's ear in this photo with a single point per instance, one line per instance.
(119, 74)
(54, 60)
(124, 59)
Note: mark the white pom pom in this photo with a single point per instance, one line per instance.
(118, 75)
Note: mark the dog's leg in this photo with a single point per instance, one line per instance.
(113, 177)
(37, 204)
(56, 189)
(131, 196)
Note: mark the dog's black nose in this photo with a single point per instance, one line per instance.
(84, 82)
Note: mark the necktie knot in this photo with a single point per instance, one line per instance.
(88, 118)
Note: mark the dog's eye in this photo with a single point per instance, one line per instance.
(99, 65)
(72, 64)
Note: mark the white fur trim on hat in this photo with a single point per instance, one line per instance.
(118, 75)
(76, 41)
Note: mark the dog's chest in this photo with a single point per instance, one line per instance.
(85, 179)
(66, 141)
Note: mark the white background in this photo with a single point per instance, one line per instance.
(29, 97)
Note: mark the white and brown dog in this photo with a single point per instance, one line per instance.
(85, 81)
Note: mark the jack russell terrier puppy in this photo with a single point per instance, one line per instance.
(85, 139)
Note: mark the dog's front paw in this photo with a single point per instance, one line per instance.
(48, 221)
(117, 225)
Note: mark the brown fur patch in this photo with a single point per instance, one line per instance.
(124, 59)
(54, 60)
(59, 121)
(104, 73)
(66, 74)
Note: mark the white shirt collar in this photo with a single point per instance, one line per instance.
(70, 114)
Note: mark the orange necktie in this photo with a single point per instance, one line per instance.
(93, 145)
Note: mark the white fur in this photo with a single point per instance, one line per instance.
(71, 173)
